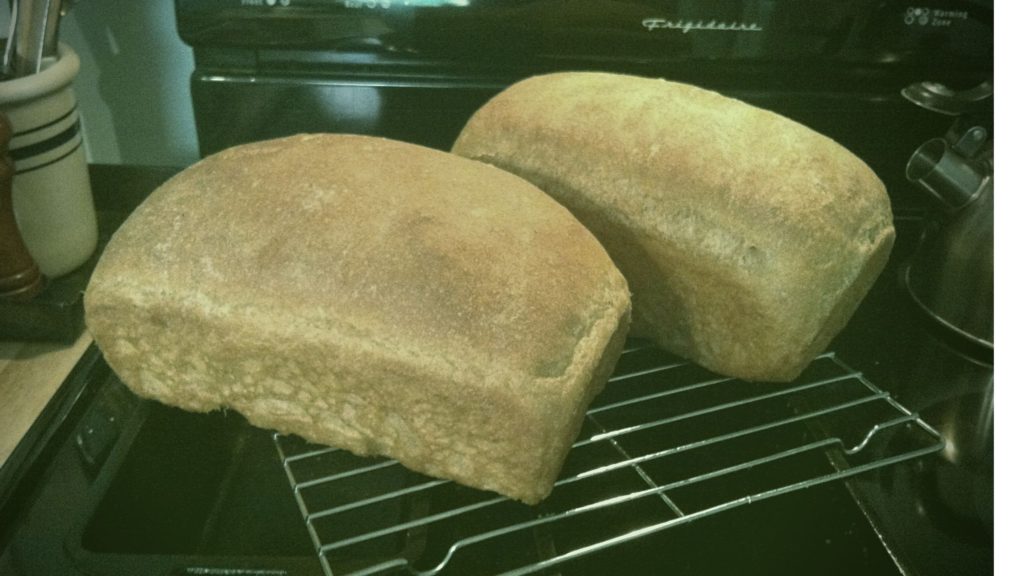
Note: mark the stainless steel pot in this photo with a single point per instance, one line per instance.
(951, 275)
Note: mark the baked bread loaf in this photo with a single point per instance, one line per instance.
(369, 294)
(748, 240)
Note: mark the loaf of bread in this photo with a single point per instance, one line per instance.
(372, 295)
(747, 239)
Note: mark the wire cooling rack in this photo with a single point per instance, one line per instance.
(666, 443)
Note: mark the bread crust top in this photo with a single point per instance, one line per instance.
(447, 263)
(641, 133)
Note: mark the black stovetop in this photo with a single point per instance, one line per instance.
(106, 483)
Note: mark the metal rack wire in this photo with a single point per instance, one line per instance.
(666, 443)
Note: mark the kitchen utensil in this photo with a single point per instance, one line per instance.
(33, 36)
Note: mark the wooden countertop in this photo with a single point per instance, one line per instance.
(30, 373)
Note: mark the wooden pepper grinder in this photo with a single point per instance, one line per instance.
(20, 278)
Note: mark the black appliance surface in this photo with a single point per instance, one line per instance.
(118, 485)
(137, 487)
(417, 70)
(108, 484)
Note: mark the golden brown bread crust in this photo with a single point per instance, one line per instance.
(374, 295)
(747, 239)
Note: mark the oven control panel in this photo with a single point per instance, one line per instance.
(922, 32)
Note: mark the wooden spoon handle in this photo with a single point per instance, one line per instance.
(20, 278)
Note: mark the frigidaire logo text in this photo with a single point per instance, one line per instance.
(687, 26)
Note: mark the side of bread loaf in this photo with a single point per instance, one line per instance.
(748, 240)
(372, 295)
